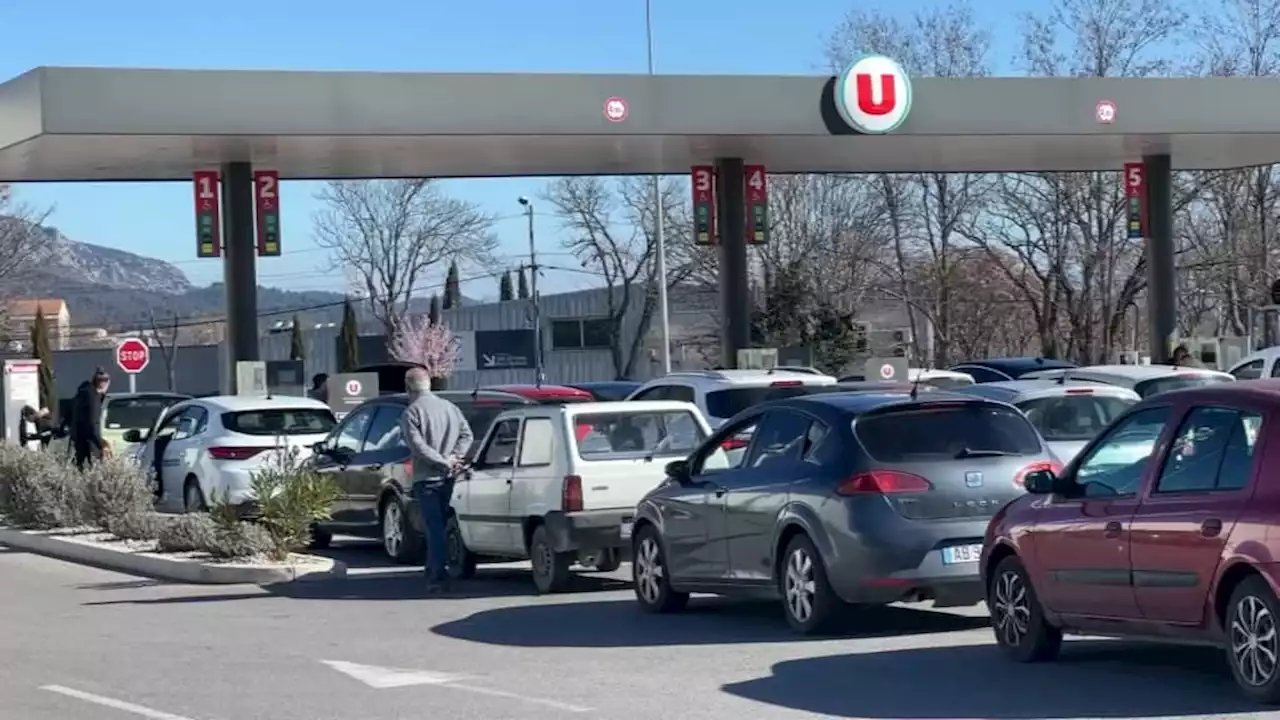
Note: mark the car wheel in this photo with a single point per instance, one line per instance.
(650, 578)
(1021, 629)
(193, 497)
(320, 538)
(1253, 640)
(461, 562)
(807, 597)
(608, 561)
(400, 541)
(550, 568)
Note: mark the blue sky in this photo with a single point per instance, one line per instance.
(599, 36)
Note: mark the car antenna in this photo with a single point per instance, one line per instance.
(1062, 379)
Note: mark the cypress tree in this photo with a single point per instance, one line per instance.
(452, 288)
(297, 343)
(433, 313)
(522, 285)
(40, 351)
(349, 339)
(505, 291)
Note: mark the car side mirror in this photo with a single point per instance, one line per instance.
(678, 470)
(321, 448)
(133, 436)
(1046, 482)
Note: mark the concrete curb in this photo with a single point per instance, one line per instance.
(157, 566)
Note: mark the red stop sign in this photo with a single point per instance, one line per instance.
(132, 355)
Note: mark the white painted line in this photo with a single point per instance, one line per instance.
(381, 677)
(555, 704)
(113, 703)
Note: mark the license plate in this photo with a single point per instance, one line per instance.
(961, 554)
(625, 529)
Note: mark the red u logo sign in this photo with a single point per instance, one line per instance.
(867, 102)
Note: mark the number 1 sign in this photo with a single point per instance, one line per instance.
(757, 193)
(208, 236)
(266, 195)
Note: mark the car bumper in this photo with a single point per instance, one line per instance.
(590, 530)
(899, 559)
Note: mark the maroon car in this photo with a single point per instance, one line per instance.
(1167, 526)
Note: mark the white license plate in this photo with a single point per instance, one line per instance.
(625, 529)
(961, 554)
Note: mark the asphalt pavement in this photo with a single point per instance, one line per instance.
(86, 644)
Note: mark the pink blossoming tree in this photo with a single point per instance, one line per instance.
(431, 345)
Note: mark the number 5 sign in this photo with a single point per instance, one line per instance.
(757, 196)
(266, 195)
(1135, 185)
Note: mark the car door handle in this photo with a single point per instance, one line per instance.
(1211, 527)
(1112, 530)
(720, 491)
(374, 467)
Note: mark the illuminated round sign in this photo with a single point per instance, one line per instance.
(353, 387)
(873, 94)
(886, 371)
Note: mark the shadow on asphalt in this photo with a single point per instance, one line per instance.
(1092, 680)
(620, 623)
(488, 583)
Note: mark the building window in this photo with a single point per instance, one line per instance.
(586, 334)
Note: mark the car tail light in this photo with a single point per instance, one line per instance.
(408, 467)
(785, 383)
(571, 494)
(883, 482)
(234, 453)
(1080, 391)
(1053, 466)
(733, 443)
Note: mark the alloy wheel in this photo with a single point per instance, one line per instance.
(799, 585)
(649, 571)
(1254, 642)
(1011, 607)
(392, 530)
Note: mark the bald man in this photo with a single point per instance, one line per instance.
(438, 437)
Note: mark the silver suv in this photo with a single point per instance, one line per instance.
(721, 394)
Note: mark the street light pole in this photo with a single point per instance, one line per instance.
(533, 295)
(659, 219)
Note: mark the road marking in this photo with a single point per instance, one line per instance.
(113, 703)
(383, 677)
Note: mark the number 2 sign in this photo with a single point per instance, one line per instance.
(1135, 185)
(757, 196)
(266, 193)
(208, 236)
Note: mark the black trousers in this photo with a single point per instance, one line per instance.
(85, 454)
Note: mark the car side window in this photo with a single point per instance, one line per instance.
(191, 422)
(1237, 458)
(384, 429)
(779, 441)
(729, 453)
(657, 392)
(500, 451)
(680, 393)
(350, 435)
(1275, 369)
(981, 374)
(1249, 371)
(536, 442)
(169, 426)
(1115, 465)
(1191, 465)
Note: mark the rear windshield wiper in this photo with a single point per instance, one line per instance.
(971, 453)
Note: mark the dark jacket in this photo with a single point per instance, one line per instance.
(42, 430)
(86, 417)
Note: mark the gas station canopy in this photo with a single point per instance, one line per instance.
(73, 124)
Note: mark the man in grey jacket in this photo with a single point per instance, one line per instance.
(438, 437)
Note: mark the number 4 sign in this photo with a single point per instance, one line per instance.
(208, 237)
(266, 194)
(757, 195)
(1135, 186)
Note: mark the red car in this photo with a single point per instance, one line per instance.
(1166, 527)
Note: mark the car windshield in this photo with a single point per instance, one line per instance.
(611, 436)
(1073, 417)
(280, 421)
(136, 413)
(724, 404)
(1147, 388)
(946, 382)
(954, 430)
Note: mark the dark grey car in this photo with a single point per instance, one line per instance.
(838, 498)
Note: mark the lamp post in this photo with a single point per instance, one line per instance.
(659, 221)
(533, 294)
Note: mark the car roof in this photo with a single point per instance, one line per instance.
(630, 406)
(1263, 390)
(605, 384)
(240, 403)
(1130, 372)
(146, 394)
(1012, 365)
(544, 390)
(858, 403)
(1265, 354)
(744, 378)
(1015, 391)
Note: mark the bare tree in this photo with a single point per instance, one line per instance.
(392, 233)
(610, 227)
(168, 347)
(21, 237)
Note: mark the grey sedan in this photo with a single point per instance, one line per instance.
(838, 498)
